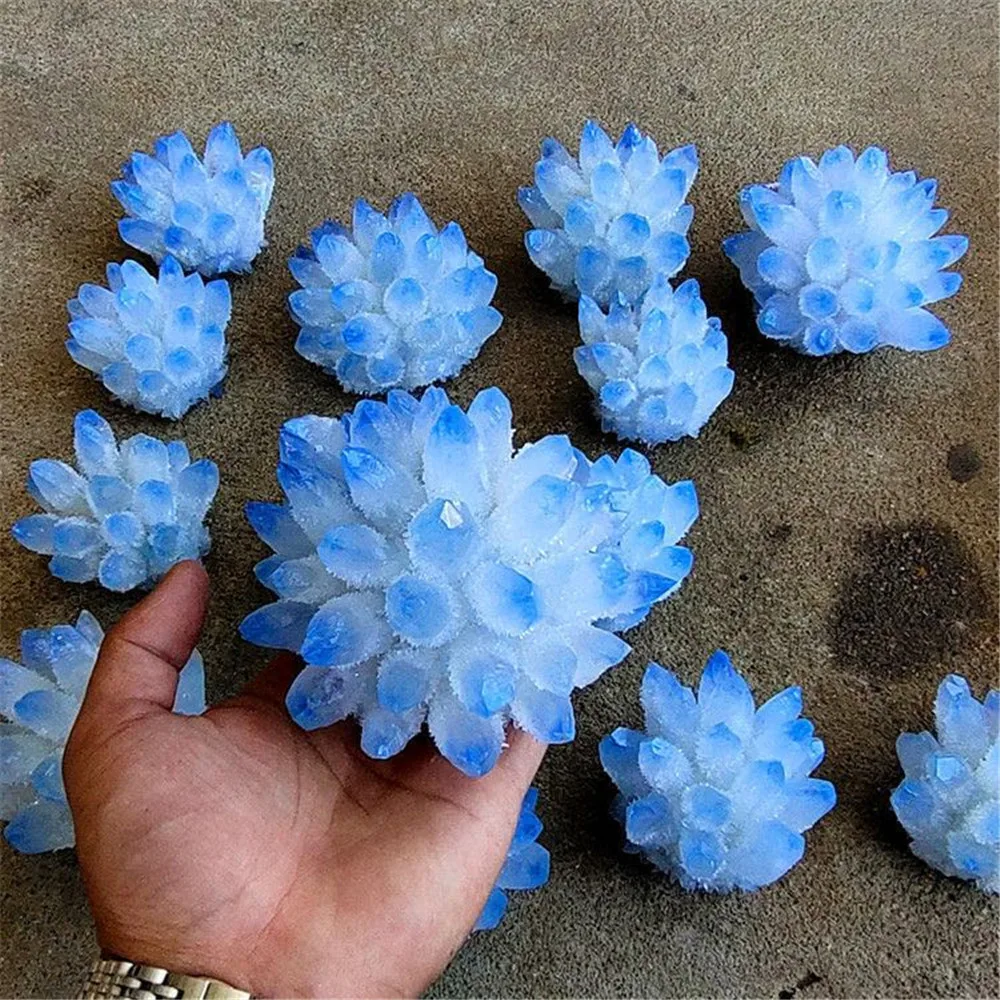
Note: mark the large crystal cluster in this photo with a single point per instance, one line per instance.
(41, 697)
(425, 573)
(130, 513)
(842, 256)
(158, 344)
(949, 800)
(208, 213)
(526, 867)
(658, 371)
(392, 301)
(610, 220)
(716, 793)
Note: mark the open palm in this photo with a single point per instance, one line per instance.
(236, 845)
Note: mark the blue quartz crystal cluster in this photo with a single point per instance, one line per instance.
(158, 344)
(207, 213)
(427, 573)
(130, 513)
(526, 867)
(41, 697)
(658, 370)
(613, 218)
(391, 302)
(716, 793)
(842, 255)
(949, 799)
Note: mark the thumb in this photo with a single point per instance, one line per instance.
(140, 658)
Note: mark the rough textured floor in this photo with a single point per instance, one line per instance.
(849, 530)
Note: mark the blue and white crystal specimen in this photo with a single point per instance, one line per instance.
(716, 793)
(391, 302)
(428, 573)
(157, 343)
(208, 213)
(526, 867)
(842, 256)
(41, 697)
(949, 799)
(613, 218)
(130, 513)
(658, 370)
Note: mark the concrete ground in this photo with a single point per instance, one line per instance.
(848, 539)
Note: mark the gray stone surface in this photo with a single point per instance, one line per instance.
(849, 530)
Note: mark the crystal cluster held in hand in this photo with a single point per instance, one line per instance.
(949, 799)
(842, 256)
(129, 514)
(716, 793)
(157, 344)
(612, 219)
(391, 301)
(658, 370)
(208, 213)
(426, 572)
(526, 867)
(41, 697)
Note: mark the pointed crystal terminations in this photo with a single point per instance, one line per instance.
(842, 255)
(41, 697)
(158, 344)
(130, 513)
(428, 573)
(391, 301)
(207, 212)
(949, 799)
(717, 793)
(608, 221)
(658, 371)
(526, 867)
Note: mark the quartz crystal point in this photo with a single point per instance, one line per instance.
(842, 256)
(158, 344)
(613, 218)
(949, 799)
(426, 572)
(207, 212)
(130, 513)
(717, 793)
(658, 371)
(41, 697)
(391, 302)
(526, 867)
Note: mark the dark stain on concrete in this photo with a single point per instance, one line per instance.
(964, 462)
(686, 92)
(915, 599)
(25, 195)
(809, 979)
(779, 533)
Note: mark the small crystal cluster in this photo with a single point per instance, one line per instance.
(716, 793)
(949, 800)
(426, 573)
(209, 213)
(392, 301)
(611, 220)
(41, 698)
(157, 344)
(658, 371)
(842, 256)
(526, 867)
(129, 514)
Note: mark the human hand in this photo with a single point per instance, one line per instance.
(238, 846)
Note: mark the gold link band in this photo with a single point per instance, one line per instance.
(117, 978)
